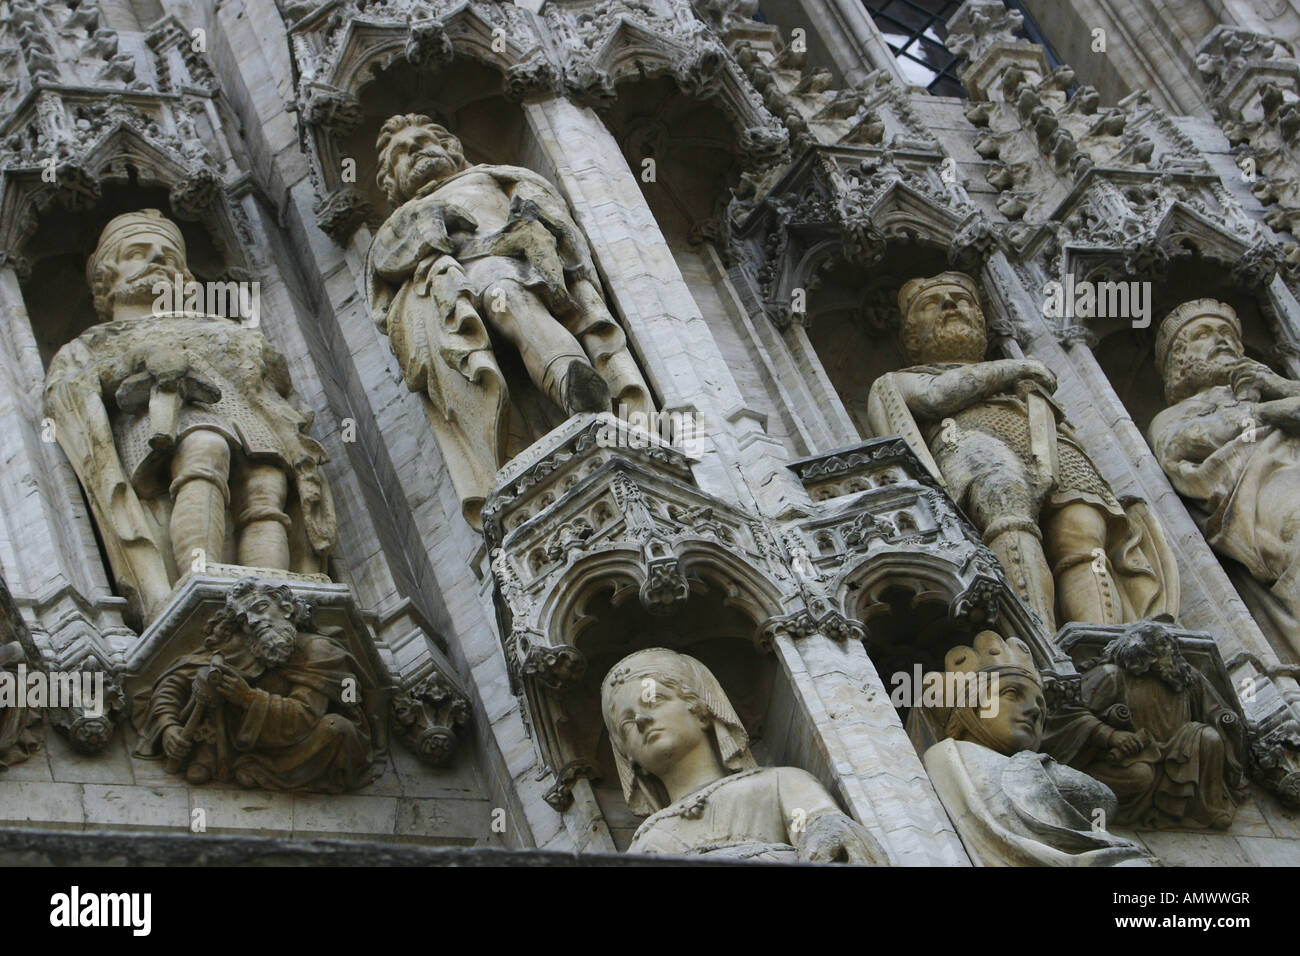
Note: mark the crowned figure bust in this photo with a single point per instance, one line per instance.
(1010, 804)
(683, 759)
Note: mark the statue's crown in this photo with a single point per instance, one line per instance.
(1177, 320)
(992, 653)
(915, 287)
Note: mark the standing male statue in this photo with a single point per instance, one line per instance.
(1230, 442)
(991, 432)
(182, 428)
(477, 251)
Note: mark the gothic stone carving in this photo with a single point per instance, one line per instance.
(175, 421)
(1169, 740)
(426, 716)
(993, 433)
(1230, 442)
(477, 247)
(683, 758)
(1012, 805)
(268, 702)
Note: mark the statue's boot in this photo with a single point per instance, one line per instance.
(1087, 588)
(583, 390)
(1018, 543)
(200, 492)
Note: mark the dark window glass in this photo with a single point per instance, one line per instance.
(915, 30)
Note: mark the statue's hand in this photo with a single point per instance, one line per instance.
(174, 743)
(833, 837)
(1283, 413)
(1125, 744)
(231, 686)
(1253, 381)
(1032, 371)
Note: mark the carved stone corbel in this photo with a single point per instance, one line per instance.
(426, 716)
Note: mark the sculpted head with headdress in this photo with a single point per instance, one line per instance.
(136, 251)
(1007, 713)
(942, 319)
(659, 706)
(1198, 347)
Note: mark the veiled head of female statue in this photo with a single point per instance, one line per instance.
(1008, 709)
(658, 706)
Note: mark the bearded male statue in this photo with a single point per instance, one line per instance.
(183, 428)
(684, 763)
(474, 252)
(1011, 804)
(267, 703)
(1230, 442)
(992, 434)
(1155, 731)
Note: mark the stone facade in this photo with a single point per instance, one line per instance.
(718, 203)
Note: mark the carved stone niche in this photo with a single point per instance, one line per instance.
(338, 658)
(600, 544)
(896, 554)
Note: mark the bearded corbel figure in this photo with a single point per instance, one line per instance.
(684, 763)
(1011, 804)
(992, 434)
(268, 702)
(1154, 730)
(477, 251)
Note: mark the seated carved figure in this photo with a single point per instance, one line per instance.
(1230, 442)
(266, 703)
(1011, 805)
(1155, 731)
(683, 758)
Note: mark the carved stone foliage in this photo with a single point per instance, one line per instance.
(840, 206)
(1252, 82)
(1158, 721)
(78, 109)
(426, 716)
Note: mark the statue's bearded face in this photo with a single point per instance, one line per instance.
(1204, 355)
(269, 627)
(1021, 708)
(1159, 657)
(944, 323)
(656, 726)
(139, 263)
(418, 155)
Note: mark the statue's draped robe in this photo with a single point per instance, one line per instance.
(125, 479)
(302, 732)
(1245, 476)
(997, 445)
(425, 290)
(1188, 769)
(744, 815)
(1025, 810)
